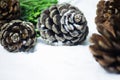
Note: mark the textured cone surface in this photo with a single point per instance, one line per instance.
(9, 9)
(2, 22)
(106, 47)
(63, 23)
(18, 36)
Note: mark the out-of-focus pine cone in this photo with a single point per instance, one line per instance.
(9, 9)
(18, 35)
(106, 47)
(63, 23)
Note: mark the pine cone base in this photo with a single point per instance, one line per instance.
(17, 36)
(63, 23)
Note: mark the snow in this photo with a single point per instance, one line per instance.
(57, 62)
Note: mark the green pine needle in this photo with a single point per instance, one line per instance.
(31, 9)
(37, 33)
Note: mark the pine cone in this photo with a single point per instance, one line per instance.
(9, 9)
(106, 47)
(63, 23)
(18, 36)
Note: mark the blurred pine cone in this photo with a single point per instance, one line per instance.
(18, 36)
(106, 47)
(9, 9)
(63, 23)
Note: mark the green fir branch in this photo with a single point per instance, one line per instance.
(31, 9)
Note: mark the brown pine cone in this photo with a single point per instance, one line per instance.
(63, 23)
(106, 47)
(17, 36)
(9, 9)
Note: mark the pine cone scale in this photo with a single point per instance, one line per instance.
(104, 58)
(60, 38)
(48, 23)
(63, 29)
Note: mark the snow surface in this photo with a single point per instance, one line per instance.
(57, 62)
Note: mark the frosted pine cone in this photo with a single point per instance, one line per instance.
(63, 23)
(18, 36)
(106, 47)
(9, 9)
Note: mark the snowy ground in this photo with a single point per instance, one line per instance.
(57, 62)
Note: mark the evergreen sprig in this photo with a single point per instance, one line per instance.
(31, 9)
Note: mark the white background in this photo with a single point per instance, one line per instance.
(57, 62)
